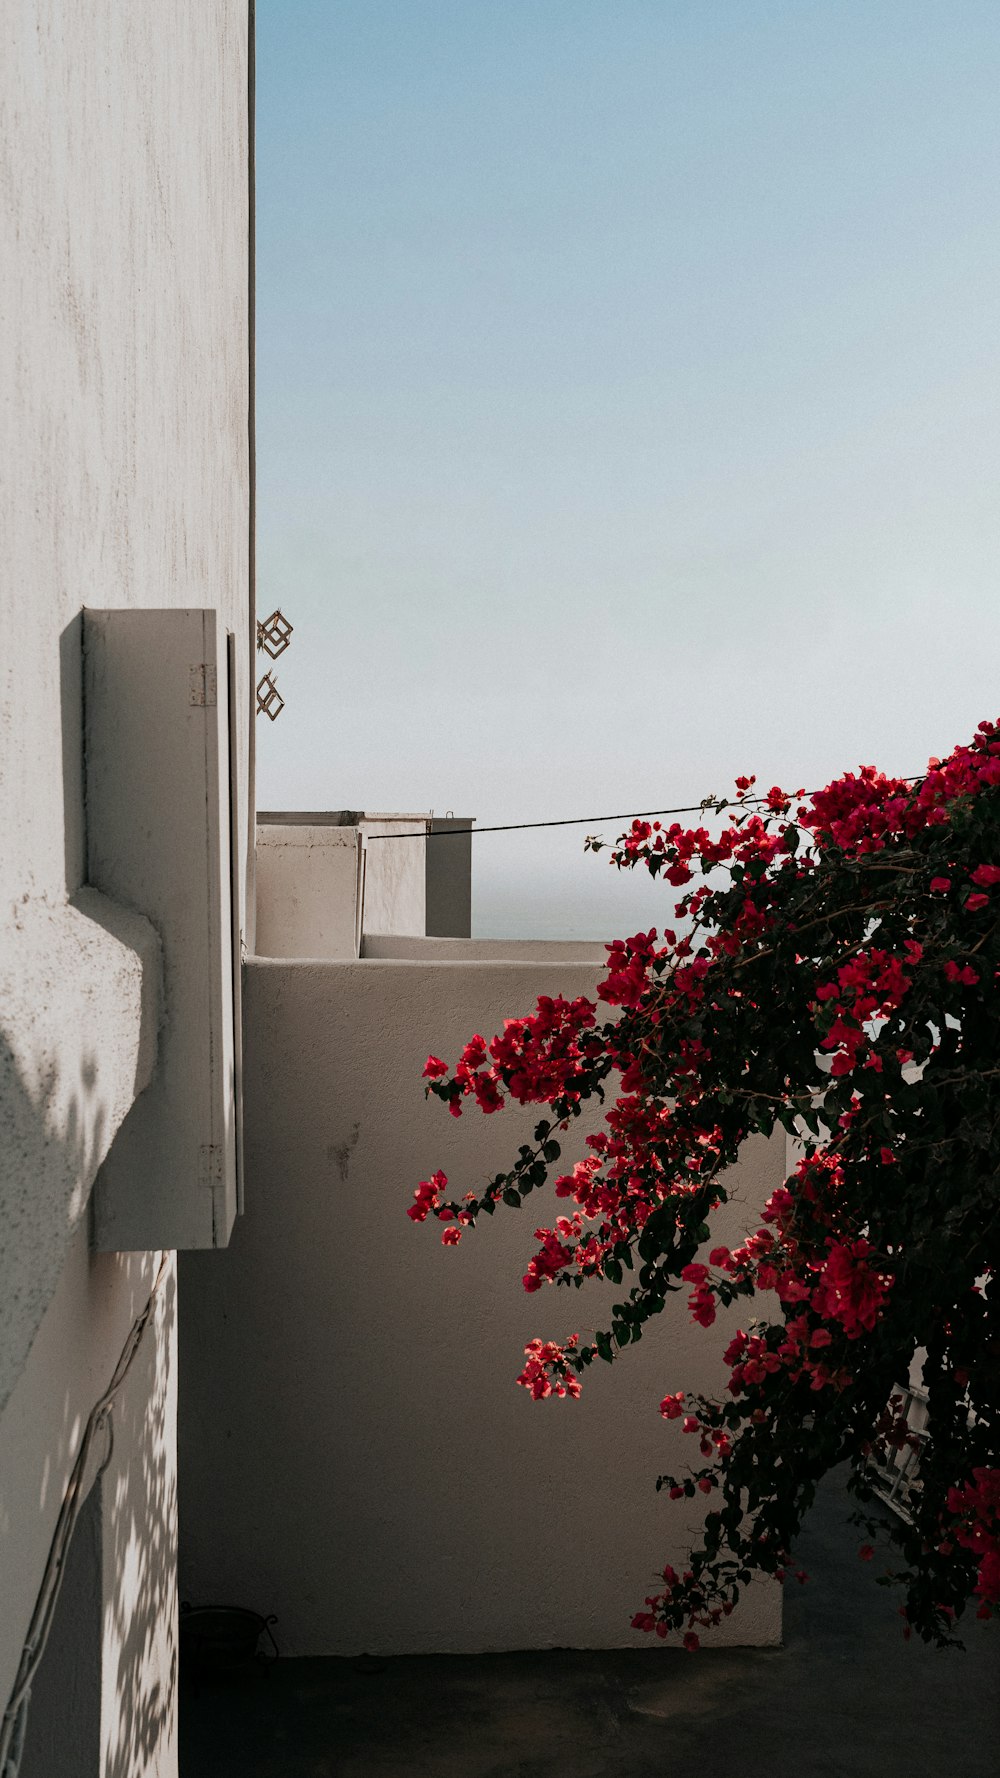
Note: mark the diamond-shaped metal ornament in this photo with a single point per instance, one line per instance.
(270, 702)
(274, 634)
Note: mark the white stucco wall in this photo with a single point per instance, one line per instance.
(395, 874)
(320, 881)
(355, 1455)
(308, 888)
(485, 950)
(95, 1303)
(124, 439)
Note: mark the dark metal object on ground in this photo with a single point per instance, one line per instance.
(224, 1638)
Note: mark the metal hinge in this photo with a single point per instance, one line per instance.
(211, 1162)
(204, 685)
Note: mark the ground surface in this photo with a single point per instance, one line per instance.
(845, 1698)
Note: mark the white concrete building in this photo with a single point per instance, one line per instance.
(355, 1456)
(125, 440)
(347, 1400)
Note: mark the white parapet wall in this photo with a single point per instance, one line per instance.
(355, 1455)
(395, 888)
(327, 879)
(309, 882)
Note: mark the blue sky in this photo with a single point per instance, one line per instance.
(627, 407)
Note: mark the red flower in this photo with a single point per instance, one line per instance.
(686, 1081)
(691, 1641)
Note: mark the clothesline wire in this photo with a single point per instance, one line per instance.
(710, 806)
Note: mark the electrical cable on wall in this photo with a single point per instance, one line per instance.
(12, 1728)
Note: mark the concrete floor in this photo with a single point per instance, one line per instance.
(845, 1698)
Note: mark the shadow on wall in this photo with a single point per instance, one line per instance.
(64, 1716)
(71, 712)
(140, 1632)
(53, 1144)
(113, 1651)
(108, 1676)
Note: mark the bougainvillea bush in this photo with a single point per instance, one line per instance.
(833, 968)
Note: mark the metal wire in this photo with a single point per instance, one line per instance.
(709, 805)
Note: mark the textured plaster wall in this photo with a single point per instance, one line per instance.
(123, 435)
(373, 1475)
(68, 1368)
(395, 874)
(79, 1009)
(124, 443)
(308, 880)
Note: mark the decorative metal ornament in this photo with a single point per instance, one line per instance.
(274, 634)
(270, 702)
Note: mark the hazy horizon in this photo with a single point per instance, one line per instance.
(627, 409)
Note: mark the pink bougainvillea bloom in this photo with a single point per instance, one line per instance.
(830, 1248)
(451, 1237)
(692, 1641)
